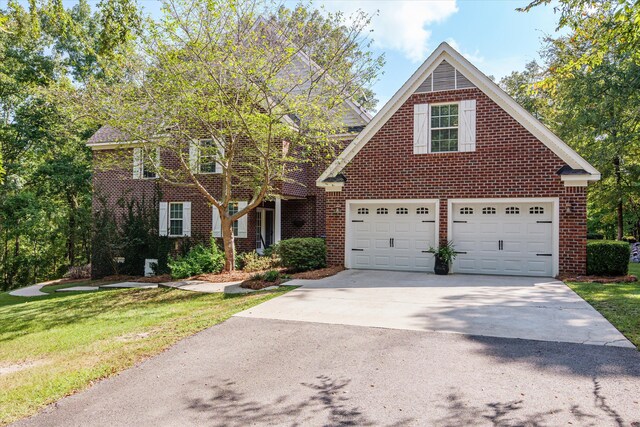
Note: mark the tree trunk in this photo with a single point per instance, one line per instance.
(228, 243)
(619, 209)
(71, 238)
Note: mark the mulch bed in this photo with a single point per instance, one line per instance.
(234, 276)
(317, 274)
(257, 284)
(601, 279)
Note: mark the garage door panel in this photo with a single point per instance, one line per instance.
(538, 247)
(424, 227)
(521, 233)
(411, 225)
(485, 228)
(361, 227)
(381, 244)
(362, 243)
(402, 227)
(382, 260)
(424, 261)
(402, 244)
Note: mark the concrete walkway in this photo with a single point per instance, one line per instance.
(33, 290)
(256, 372)
(496, 306)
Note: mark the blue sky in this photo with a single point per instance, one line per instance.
(491, 34)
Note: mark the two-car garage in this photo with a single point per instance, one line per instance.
(491, 236)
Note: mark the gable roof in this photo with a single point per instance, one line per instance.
(445, 52)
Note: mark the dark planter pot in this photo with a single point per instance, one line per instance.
(441, 267)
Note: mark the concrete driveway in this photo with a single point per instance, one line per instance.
(497, 306)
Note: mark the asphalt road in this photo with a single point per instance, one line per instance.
(272, 372)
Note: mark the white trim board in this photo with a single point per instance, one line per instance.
(482, 82)
(555, 202)
(347, 219)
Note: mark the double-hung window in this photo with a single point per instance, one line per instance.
(208, 154)
(233, 209)
(148, 164)
(176, 219)
(444, 128)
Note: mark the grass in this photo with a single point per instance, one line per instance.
(60, 343)
(618, 302)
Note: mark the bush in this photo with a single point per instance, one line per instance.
(608, 258)
(595, 236)
(302, 254)
(271, 275)
(200, 259)
(78, 272)
(251, 261)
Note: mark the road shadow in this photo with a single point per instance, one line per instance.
(328, 401)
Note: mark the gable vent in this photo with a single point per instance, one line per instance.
(444, 77)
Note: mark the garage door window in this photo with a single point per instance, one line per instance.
(512, 210)
(488, 211)
(536, 210)
(402, 211)
(363, 211)
(382, 211)
(422, 211)
(466, 211)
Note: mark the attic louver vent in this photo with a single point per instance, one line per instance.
(444, 77)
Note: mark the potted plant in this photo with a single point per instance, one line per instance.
(444, 255)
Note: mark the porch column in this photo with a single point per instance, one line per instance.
(277, 229)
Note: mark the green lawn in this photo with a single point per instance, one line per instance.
(57, 344)
(618, 302)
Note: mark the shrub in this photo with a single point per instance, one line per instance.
(595, 236)
(302, 254)
(200, 259)
(271, 275)
(607, 258)
(78, 272)
(251, 261)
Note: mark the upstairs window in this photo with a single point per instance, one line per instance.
(148, 164)
(145, 163)
(444, 128)
(208, 155)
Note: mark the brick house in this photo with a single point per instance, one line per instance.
(297, 211)
(451, 157)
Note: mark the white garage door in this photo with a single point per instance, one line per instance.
(391, 235)
(503, 238)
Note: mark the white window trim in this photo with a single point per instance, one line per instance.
(555, 207)
(437, 104)
(155, 175)
(169, 219)
(216, 159)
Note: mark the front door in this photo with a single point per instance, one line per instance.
(264, 228)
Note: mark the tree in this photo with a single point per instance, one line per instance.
(45, 196)
(597, 25)
(524, 87)
(267, 86)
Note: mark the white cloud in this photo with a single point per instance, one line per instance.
(400, 25)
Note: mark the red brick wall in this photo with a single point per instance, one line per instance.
(508, 162)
